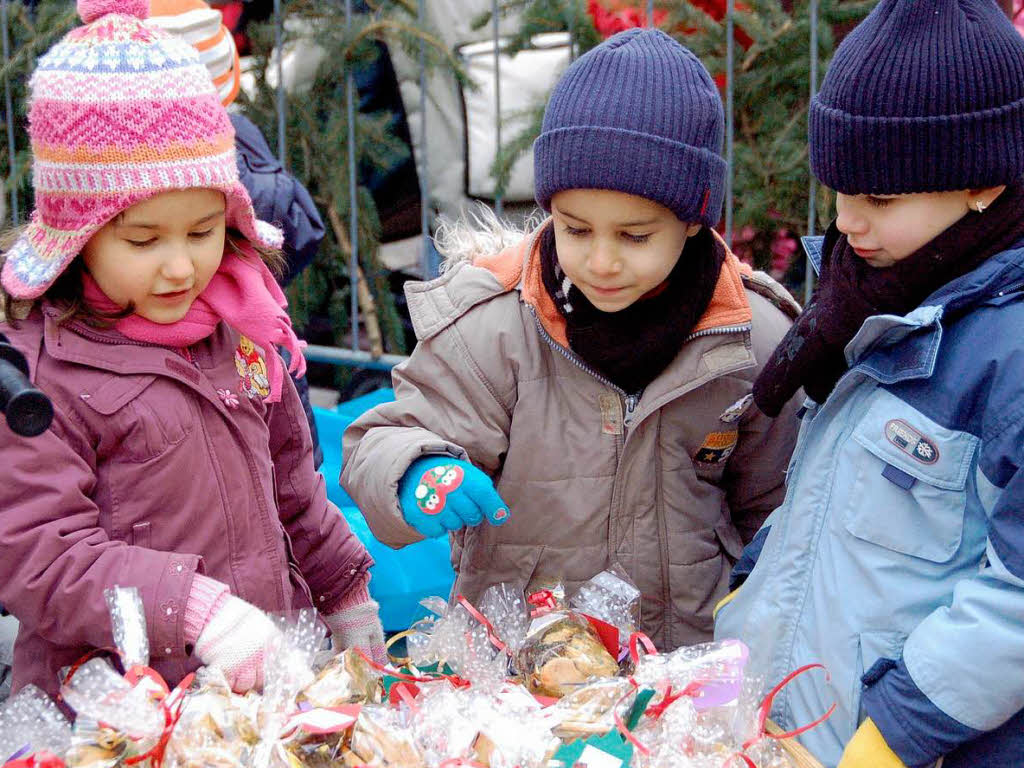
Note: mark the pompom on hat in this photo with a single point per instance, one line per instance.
(118, 112)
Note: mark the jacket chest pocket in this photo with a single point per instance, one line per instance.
(143, 416)
(909, 494)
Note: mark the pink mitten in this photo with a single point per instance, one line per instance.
(229, 634)
(356, 624)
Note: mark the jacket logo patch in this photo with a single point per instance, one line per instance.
(251, 364)
(611, 414)
(717, 447)
(737, 409)
(911, 442)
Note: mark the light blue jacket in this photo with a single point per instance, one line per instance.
(897, 557)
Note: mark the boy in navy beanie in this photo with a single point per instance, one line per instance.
(902, 532)
(556, 369)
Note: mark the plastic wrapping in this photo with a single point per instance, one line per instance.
(561, 653)
(345, 679)
(128, 623)
(217, 729)
(288, 660)
(30, 722)
(467, 640)
(381, 737)
(114, 719)
(714, 670)
(611, 597)
(591, 709)
(500, 728)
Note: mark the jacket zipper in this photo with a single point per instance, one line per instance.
(632, 402)
(575, 360)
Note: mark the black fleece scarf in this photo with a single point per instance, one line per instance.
(850, 290)
(632, 346)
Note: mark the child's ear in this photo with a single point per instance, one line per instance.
(985, 196)
(692, 229)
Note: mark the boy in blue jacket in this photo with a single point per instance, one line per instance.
(897, 558)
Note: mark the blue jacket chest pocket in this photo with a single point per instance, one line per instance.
(910, 493)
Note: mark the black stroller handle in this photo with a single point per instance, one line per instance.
(29, 412)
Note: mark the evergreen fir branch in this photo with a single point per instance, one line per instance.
(847, 12)
(510, 153)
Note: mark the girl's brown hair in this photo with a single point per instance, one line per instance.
(67, 291)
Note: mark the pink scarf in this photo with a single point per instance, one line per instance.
(244, 294)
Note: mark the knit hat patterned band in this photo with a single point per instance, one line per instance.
(923, 96)
(119, 112)
(637, 114)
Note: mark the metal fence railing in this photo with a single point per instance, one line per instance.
(354, 355)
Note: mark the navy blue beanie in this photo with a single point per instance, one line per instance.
(923, 96)
(637, 114)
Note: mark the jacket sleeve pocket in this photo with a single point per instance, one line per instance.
(911, 476)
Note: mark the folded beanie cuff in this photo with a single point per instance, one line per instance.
(856, 154)
(688, 180)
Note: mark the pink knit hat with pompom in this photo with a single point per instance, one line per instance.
(119, 112)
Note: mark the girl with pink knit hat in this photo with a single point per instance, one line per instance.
(179, 460)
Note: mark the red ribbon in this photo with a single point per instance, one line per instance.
(621, 726)
(642, 639)
(769, 699)
(430, 677)
(171, 716)
(42, 759)
(544, 600)
(492, 635)
(133, 676)
(692, 690)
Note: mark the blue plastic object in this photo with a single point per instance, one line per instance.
(401, 577)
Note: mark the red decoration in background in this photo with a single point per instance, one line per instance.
(612, 16)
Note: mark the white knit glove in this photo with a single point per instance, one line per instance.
(358, 626)
(235, 641)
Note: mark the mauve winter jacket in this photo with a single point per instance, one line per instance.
(159, 464)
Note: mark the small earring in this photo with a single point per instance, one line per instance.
(980, 206)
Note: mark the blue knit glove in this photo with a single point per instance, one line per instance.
(440, 494)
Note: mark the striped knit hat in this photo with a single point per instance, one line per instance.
(119, 112)
(202, 26)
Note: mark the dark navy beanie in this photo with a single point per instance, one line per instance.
(923, 96)
(637, 114)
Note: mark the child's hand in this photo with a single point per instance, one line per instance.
(867, 749)
(357, 625)
(440, 494)
(235, 641)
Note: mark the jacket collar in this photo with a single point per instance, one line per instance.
(104, 349)
(893, 348)
(520, 267)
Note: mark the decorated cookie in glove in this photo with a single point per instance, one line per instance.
(440, 494)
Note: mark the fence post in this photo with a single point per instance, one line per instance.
(9, 109)
(427, 265)
(353, 190)
(730, 54)
(498, 207)
(813, 186)
(280, 107)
